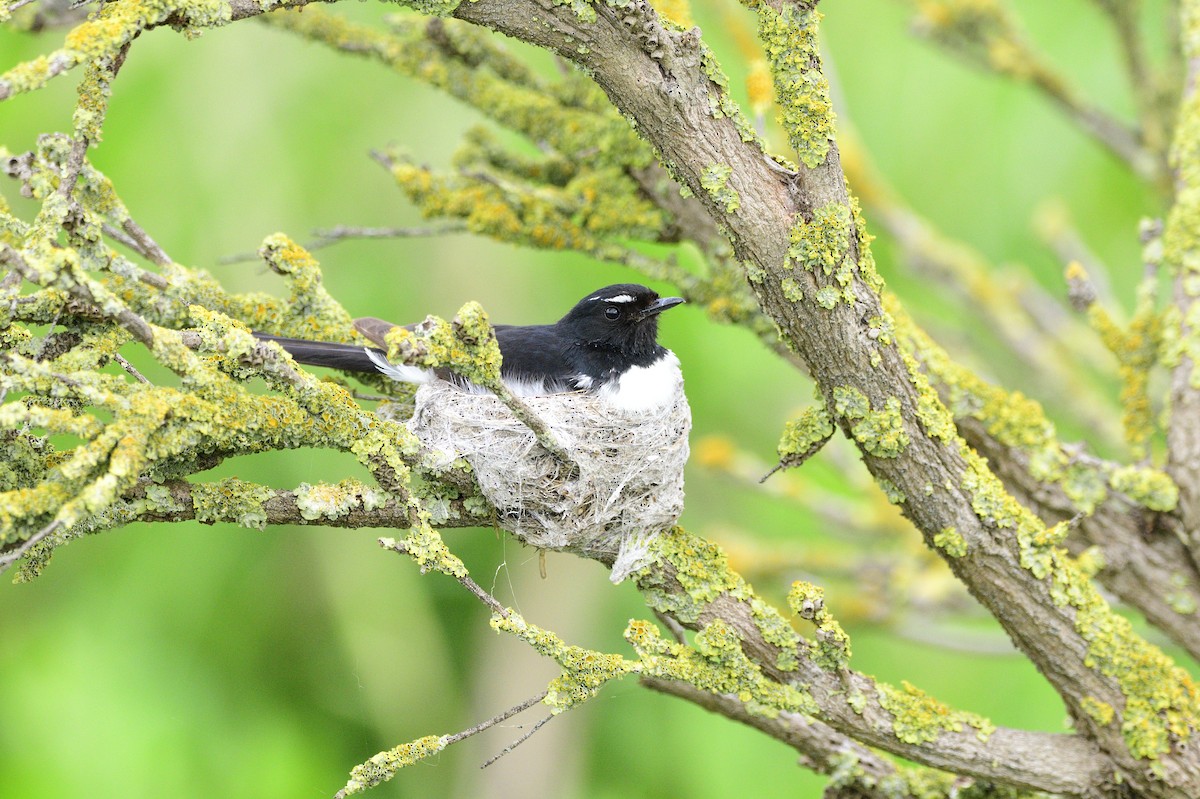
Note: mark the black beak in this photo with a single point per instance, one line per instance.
(662, 304)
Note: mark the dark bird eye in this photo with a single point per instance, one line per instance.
(611, 312)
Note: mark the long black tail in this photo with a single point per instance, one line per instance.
(347, 357)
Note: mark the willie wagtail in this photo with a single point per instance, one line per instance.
(607, 344)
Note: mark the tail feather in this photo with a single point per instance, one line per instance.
(347, 357)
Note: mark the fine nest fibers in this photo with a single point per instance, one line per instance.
(629, 484)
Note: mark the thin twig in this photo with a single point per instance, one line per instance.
(19, 4)
(327, 236)
(7, 559)
(81, 143)
(41, 350)
(1146, 89)
(79, 148)
(399, 545)
(674, 627)
(331, 236)
(10, 284)
(517, 742)
(1055, 228)
(128, 367)
(494, 720)
(129, 320)
(145, 245)
(121, 237)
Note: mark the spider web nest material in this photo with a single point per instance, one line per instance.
(630, 480)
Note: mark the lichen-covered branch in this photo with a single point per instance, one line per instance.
(772, 669)
(595, 187)
(1181, 324)
(786, 254)
(1053, 346)
(807, 261)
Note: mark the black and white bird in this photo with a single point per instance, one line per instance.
(607, 345)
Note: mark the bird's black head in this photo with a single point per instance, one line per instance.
(622, 318)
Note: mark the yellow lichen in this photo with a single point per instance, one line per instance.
(880, 432)
(383, 766)
(789, 37)
(918, 718)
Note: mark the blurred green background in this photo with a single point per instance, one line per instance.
(195, 661)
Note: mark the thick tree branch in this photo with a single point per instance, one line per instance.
(856, 706)
(821, 747)
(1181, 239)
(360, 508)
(1146, 569)
(659, 78)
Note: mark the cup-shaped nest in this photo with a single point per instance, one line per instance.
(629, 482)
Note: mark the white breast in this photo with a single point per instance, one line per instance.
(644, 388)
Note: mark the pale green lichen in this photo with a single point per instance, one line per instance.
(717, 664)
(103, 35)
(714, 179)
(1160, 698)
(579, 195)
(466, 346)
(802, 437)
(230, 500)
(426, 547)
(789, 37)
(791, 290)
(702, 570)
(721, 104)
(950, 541)
(1150, 488)
(918, 718)
(1180, 596)
(436, 8)
(1091, 561)
(383, 766)
(822, 244)
(1181, 233)
(880, 432)
(777, 632)
(882, 329)
(1101, 712)
(1014, 420)
(1083, 484)
(1148, 339)
(891, 491)
(827, 297)
(585, 671)
(308, 300)
(323, 501)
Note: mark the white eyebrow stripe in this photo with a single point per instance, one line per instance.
(620, 298)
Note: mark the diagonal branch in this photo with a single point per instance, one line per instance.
(807, 262)
(1181, 242)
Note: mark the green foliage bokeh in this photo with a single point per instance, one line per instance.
(214, 661)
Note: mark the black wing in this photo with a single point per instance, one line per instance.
(536, 353)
